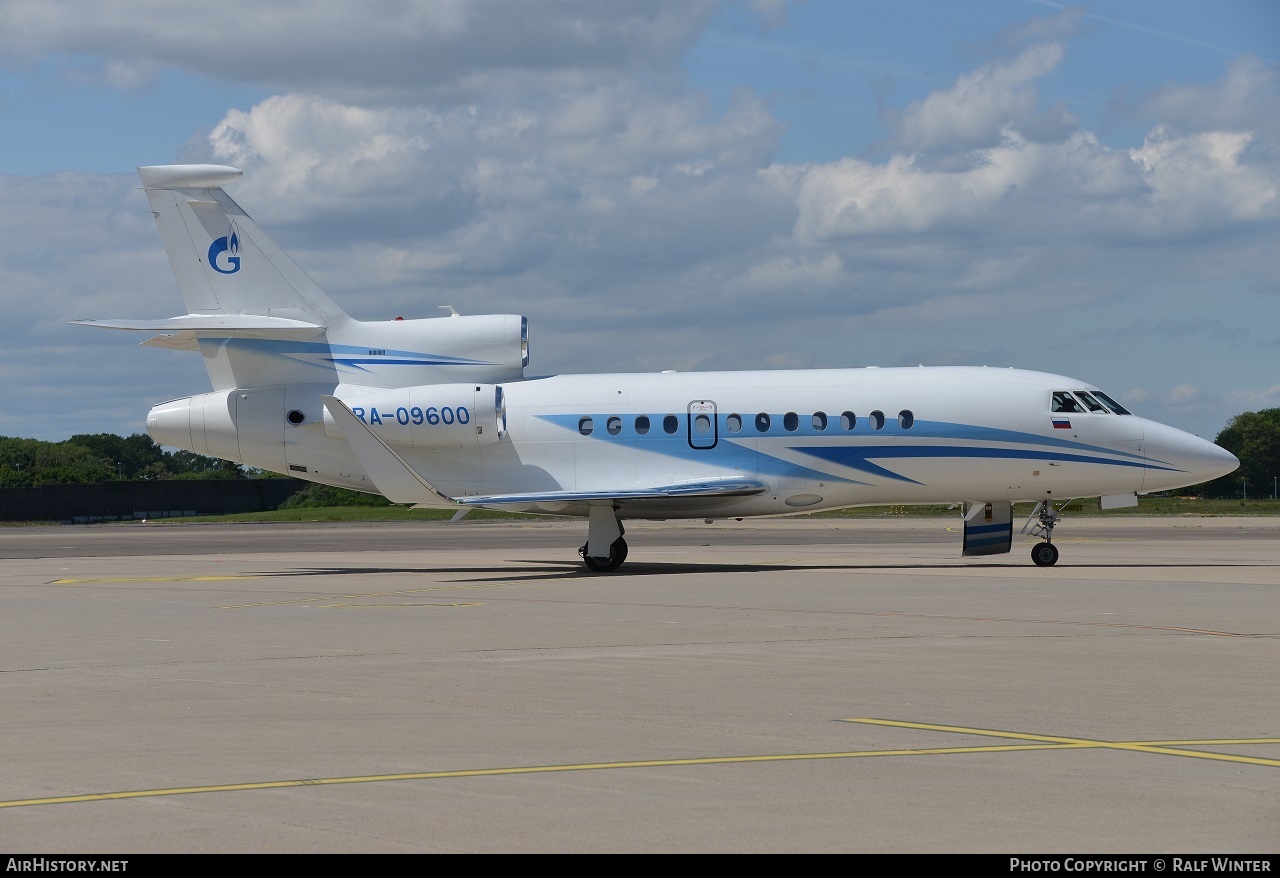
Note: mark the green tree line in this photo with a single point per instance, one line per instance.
(1254, 437)
(104, 457)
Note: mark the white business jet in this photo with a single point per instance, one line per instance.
(439, 412)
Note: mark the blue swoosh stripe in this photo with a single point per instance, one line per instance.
(856, 458)
(323, 355)
(970, 433)
(424, 360)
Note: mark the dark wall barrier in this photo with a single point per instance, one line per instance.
(113, 501)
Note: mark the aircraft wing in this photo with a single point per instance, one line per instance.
(395, 479)
(727, 487)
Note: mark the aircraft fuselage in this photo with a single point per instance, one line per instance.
(819, 439)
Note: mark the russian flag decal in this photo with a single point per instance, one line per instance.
(1061, 423)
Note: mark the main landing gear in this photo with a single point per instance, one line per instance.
(604, 528)
(1044, 554)
(617, 554)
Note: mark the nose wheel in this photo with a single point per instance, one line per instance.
(1044, 554)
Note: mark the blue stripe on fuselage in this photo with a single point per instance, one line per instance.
(353, 357)
(730, 451)
(856, 457)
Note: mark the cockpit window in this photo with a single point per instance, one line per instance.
(1092, 404)
(1111, 403)
(1065, 402)
(1086, 401)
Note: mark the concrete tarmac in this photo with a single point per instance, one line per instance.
(784, 686)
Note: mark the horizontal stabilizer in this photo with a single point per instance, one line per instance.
(708, 488)
(390, 474)
(187, 176)
(255, 323)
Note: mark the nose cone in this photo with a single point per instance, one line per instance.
(1176, 459)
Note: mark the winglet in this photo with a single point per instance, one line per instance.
(390, 474)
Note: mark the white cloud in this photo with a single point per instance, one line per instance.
(373, 52)
(1185, 394)
(980, 108)
(131, 77)
(612, 178)
(1246, 98)
(1199, 180)
(1170, 187)
(1254, 398)
(305, 143)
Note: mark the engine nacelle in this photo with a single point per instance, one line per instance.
(427, 415)
(205, 424)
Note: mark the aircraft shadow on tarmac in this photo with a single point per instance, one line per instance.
(542, 569)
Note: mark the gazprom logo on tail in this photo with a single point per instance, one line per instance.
(226, 251)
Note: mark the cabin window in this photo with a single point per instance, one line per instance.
(790, 421)
(642, 424)
(670, 424)
(614, 425)
(1064, 402)
(733, 423)
(906, 419)
(877, 420)
(585, 426)
(1111, 403)
(819, 421)
(762, 423)
(702, 425)
(848, 420)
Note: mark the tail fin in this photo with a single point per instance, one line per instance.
(224, 263)
(259, 321)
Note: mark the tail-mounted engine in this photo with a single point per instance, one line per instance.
(481, 348)
(428, 415)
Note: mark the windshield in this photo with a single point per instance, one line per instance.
(1111, 403)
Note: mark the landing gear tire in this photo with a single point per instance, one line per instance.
(1044, 554)
(617, 554)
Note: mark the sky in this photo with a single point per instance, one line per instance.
(1091, 190)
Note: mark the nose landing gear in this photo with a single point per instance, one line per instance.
(1044, 554)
